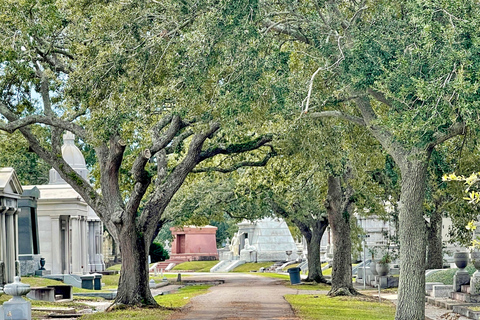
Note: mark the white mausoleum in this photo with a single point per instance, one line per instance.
(70, 232)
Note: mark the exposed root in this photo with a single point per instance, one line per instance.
(342, 291)
(121, 306)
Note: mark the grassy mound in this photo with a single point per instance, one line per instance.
(253, 266)
(340, 308)
(446, 276)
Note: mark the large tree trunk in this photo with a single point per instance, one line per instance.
(313, 246)
(434, 249)
(134, 276)
(411, 289)
(338, 217)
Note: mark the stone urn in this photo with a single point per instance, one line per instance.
(16, 289)
(475, 257)
(383, 269)
(373, 267)
(460, 259)
(42, 264)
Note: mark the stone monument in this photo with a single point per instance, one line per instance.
(10, 194)
(270, 238)
(70, 234)
(28, 242)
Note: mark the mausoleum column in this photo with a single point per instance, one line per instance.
(83, 223)
(11, 246)
(56, 249)
(76, 245)
(3, 236)
(15, 221)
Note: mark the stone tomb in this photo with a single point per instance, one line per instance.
(28, 242)
(70, 233)
(10, 194)
(194, 243)
(268, 240)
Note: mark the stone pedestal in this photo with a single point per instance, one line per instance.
(97, 281)
(42, 273)
(460, 278)
(475, 283)
(248, 255)
(17, 308)
(87, 281)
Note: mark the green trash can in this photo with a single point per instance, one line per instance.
(294, 275)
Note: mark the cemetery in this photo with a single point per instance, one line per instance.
(267, 147)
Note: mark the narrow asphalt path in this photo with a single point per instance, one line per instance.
(242, 296)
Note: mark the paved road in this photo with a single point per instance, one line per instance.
(243, 297)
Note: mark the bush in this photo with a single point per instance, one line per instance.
(158, 253)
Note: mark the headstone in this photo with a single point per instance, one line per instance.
(152, 284)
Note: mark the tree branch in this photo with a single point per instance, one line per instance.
(53, 121)
(379, 96)
(287, 30)
(236, 148)
(162, 141)
(272, 153)
(455, 129)
(337, 114)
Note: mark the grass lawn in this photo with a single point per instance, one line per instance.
(310, 286)
(130, 313)
(115, 267)
(182, 297)
(340, 308)
(169, 302)
(197, 266)
(252, 266)
(274, 275)
(291, 266)
(446, 276)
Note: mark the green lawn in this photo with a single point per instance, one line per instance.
(340, 308)
(446, 276)
(310, 286)
(274, 275)
(252, 266)
(182, 297)
(115, 267)
(198, 266)
(131, 313)
(168, 303)
(291, 266)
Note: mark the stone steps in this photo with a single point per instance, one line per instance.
(465, 288)
(465, 297)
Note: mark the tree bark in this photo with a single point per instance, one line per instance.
(133, 284)
(313, 245)
(412, 234)
(434, 244)
(338, 208)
